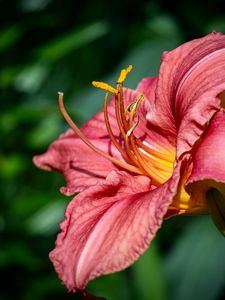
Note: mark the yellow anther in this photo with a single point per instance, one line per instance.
(105, 86)
(124, 73)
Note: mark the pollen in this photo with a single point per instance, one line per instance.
(105, 86)
(123, 74)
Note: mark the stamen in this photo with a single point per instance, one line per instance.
(121, 107)
(119, 116)
(88, 143)
(142, 159)
(134, 110)
(105, 86)
(123, 127)
(155, 169)
(116, 144)
(124, 73)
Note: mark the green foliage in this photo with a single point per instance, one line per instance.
(149, 278)
(198, 256)
(48, 46)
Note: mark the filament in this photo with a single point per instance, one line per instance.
(138, 157)
(88, 143)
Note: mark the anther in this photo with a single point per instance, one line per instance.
(105, 86)
(123, 74)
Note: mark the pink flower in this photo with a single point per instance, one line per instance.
(152, 153)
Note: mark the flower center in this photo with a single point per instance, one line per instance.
(138, 156)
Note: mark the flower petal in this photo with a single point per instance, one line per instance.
(147, 86)
(209, 159)
(151, 135)
(107, 227)
(81, 166)
(190, 79)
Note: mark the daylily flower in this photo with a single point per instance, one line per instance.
(152, 153)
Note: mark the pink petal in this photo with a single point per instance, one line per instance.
(81, 166)
(209, 159)
(153, 136)
(147, 86)
(107, 227)
(190, 79)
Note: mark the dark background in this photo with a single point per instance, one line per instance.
(48, 46)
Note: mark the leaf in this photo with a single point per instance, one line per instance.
(149, 51)
(10, 36)
(45, 221)
(33, 5)
(149, 279)
(164, 26)
(112, 287)
(45, 132)
(77, 38)
(12, 165)
(195, 266)
(31, 77)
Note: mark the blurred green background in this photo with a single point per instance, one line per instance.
(48, 46)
